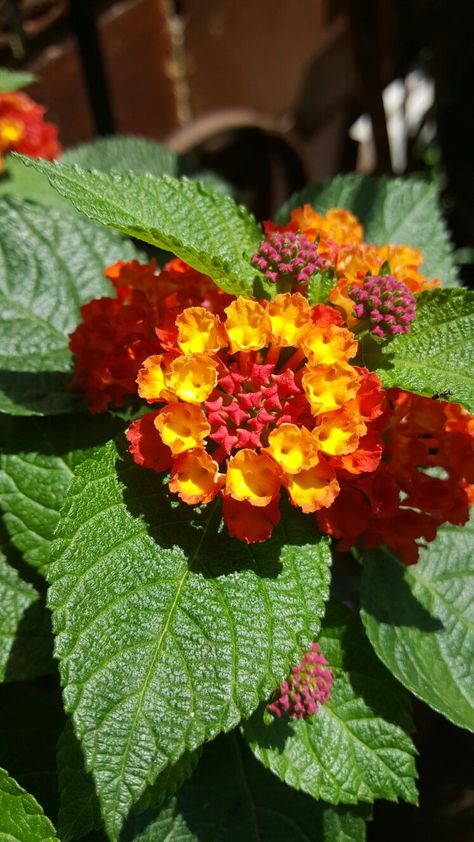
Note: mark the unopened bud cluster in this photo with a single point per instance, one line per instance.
(308, 686)
(288, 257)
(386, 303)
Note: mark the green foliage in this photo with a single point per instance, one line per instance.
(52, 262)
(79, 811)
(25, 634)
(182, 631)
(206, 229)
(420, 619)
(40, 456)
(356, 748)
(13, 80)
(29, 185)
(400, 211)
(123, 154)
(21, 817)
(231, 797)
(435, 357)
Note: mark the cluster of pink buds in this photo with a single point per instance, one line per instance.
(308, 686)
(288, 257)
(386, 303)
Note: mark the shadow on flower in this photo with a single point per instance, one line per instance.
(199, 530)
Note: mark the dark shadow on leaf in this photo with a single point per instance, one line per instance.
(273, 731)
(200, 531)
(387, 596)
(38, 393)
(31, 653)
(52, 436)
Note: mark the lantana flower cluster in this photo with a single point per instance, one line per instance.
(263, 400)
(254, 400)
(23, 128)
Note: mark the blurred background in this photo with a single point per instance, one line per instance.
(271, 95)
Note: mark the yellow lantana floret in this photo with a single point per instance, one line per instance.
(199, 331)
(11, 131)
(313, 489)
(248, 326)
(294, 448)
(253, 476)
(192, 377)
(290, 317)
(182, 426)
(152, 378)
(329, 387)
(339, 432)
(195, 477)
(329, 344)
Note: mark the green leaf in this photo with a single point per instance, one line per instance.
(204, 228)
(435, 358)
(28, 184)
(79, 811)
(40, 456)
(25, 633)
(123, 154)
(420, 620)
(21, 817)
(51, 262)
(13, 80)
(231, 798)
(398, 211)
(167, 630)
(31, 719)
(356, 748)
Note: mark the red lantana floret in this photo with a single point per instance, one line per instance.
(23, 128)
(308, 687)
(117, 334)
(385, 303)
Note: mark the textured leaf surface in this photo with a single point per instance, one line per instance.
(206, 229)
(356, 748)
(38, 462)
(31, 720)
(122, 154)
(231, 798)
(21, 817)
(403, 211)
(420, 620)
(13, 80)
(167, 631)
(51, 262)
(79, 812)
(25, 635)
(436, 356)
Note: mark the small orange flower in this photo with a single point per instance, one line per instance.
(182, 426)
(248, 326)
(195, 476)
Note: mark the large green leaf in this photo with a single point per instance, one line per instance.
(356, 748)
(167, 630)
(13, 80)
(404, 211)
(123, 154)
(38, 462)
(25, 634)
(21, 817)
(231, 798)
(51, 262)
(206, 229)
(435, 358)
(79, 811)
(420, 620)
